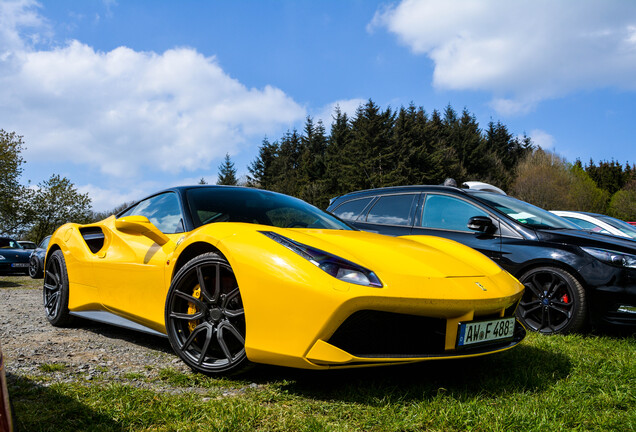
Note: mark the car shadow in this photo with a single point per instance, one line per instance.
(109, 331)
(524, 369)
(30, 414)
(10, 284)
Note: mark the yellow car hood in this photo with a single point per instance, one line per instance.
(434, 257)
(410, 255)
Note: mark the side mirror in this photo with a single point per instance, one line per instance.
(480, 223)
(141, 225)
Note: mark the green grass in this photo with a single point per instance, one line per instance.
(52, 367)
(580, 382)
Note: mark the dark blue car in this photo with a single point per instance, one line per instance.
(13, 257)
(36, 261)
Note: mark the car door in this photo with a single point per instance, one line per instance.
(390, 214)
(131, 271)
(447, 216)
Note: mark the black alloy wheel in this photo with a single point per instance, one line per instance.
(35, 270)
(205, 320)
(553, 301)
(56, 289)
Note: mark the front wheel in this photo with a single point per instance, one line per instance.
(205, 320)
(56, 290)
(554, 301)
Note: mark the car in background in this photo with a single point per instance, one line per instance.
(13, 257)
(36, 260)
(27, 244)
(572, 277)
(598, 223)
(5, 406)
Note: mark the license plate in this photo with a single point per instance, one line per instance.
(485, 331)
(20, 265)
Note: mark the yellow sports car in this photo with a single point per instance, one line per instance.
(235, 275)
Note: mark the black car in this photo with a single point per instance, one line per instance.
(36, 261)
(572, 277)
(13, 257)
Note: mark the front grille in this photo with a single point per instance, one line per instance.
(377, 334)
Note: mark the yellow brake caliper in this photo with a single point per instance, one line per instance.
(192, 308)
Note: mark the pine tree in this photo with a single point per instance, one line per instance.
(261, 171)
(227, 172)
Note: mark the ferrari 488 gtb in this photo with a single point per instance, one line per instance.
(235, 275)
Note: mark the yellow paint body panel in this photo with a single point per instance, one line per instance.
(292, 307)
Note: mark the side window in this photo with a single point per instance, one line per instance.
(392, 210)
(586, 225)
(162, 210)
(351, 209)
(449, 213)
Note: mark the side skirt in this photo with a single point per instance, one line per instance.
(109, 318)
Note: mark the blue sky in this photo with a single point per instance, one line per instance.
(128, 97)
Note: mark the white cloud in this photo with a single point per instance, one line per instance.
(520, 51)
(542, 139)
(125, 113)
(347, 106)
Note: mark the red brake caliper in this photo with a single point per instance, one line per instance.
(565, 299)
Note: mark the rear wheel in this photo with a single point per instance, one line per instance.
(553, 302)
(35, 269)
(205, 320)
(56, 290)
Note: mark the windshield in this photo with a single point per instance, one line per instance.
(6, 243)
(623, 227)
(237, 204)
(523, 212)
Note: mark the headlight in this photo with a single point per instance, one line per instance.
(612, 257)
(337, 267)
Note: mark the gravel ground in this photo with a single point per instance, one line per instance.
(87, 352)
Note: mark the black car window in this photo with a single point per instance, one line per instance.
(447, 212)
(247, 205)
(162, 210)
(351, 209)
(392, 210)
(6, 243)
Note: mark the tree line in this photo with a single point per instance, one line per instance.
(385, 147)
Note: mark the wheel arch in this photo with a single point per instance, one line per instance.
(551, 263)
(49, 252)
(191, 251)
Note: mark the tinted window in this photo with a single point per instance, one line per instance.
(523, 212)
(586, 225)
(351, 209)
(392, 210)
(624, 227)
(446, 212)
(44, 243)
(6, 243)
(236, 204)
(162, 210)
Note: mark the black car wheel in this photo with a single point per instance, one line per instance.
(35, 269)
(205, 319)
(55, 291)
(553, 302)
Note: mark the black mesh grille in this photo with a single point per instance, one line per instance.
(385, 334)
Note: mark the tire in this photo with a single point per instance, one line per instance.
(554, 301)
(35, 269)
(205, 320)
(56, 290)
